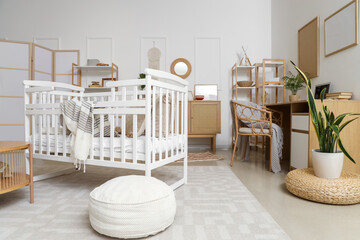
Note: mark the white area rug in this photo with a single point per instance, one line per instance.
(213, 205)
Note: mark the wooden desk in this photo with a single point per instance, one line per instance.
(350, 136)
(13, 167)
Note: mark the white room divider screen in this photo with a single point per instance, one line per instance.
(21, 61)
(15, 66)
(42, 63)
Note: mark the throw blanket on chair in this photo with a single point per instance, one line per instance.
(277, 136)
(78, 119)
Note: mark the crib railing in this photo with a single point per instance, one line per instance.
(163, 102)
(42, 114)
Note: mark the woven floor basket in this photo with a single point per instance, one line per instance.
(304, 184)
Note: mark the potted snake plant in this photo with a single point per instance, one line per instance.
(327, 160)
(294, 84)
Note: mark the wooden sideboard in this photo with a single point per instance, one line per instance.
(300, 137)
(205, 120)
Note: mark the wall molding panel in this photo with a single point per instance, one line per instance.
(101, 47)
(208, 61)
(49, 42)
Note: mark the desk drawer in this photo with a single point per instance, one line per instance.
(300, 122)
(299, 150)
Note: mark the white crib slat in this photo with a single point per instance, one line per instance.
(166, 123)
(172, 121)
(101, 137)
(64, 131)
(53, 116)
(123, 134)
(40, 125)
(123, 127)
(177, 123)
(135, 127)
(182, 122)
(112, 127)
(92, 138)
(160, 122)
(48, 119)
(153, 124)
(112, 137)
(33, 123)
(56, 135)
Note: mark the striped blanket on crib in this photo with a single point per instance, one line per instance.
(77, 116)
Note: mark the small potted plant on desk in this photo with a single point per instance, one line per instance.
(294, 84)
(327, 161)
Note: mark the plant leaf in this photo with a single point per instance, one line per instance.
(345, 152)
(341, 146)
(346, 123)
(322, 95)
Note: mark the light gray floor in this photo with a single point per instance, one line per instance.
(214, 205)
(301, 219)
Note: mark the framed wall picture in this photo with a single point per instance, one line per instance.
(319, 88)
(308, 48)
(341, 29)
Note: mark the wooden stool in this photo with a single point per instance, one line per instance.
(344, 190)
(13, 167)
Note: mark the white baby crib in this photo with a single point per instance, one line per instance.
(165, 137)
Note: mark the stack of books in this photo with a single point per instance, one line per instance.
(339, 95)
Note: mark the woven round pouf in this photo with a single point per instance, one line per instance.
(132, 207)
(344, 190)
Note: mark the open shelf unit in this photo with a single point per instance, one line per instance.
(276, 64)
(235, 87)
(76, 69)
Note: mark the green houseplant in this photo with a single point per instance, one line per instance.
(327, 160)
(142, 76)
(294, 84)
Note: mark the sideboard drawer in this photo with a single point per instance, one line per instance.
(300, 122)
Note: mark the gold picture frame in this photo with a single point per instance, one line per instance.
(340, 32)
(308, 47)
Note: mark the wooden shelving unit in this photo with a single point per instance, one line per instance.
(260, 87)
(277, 65)
(235, 87)
(76, 69)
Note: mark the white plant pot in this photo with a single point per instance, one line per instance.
(327, 165)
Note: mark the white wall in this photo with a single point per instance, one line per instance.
(235, 22)
(288, 16)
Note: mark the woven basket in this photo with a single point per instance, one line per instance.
(344, 190)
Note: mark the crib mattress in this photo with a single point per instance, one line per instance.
(161, 145)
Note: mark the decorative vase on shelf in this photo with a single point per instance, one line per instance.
(327, 165)
(294, 98)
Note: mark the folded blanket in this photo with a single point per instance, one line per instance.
(277, 142)
(78, 119)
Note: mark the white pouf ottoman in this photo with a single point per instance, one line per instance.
(132, 207)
